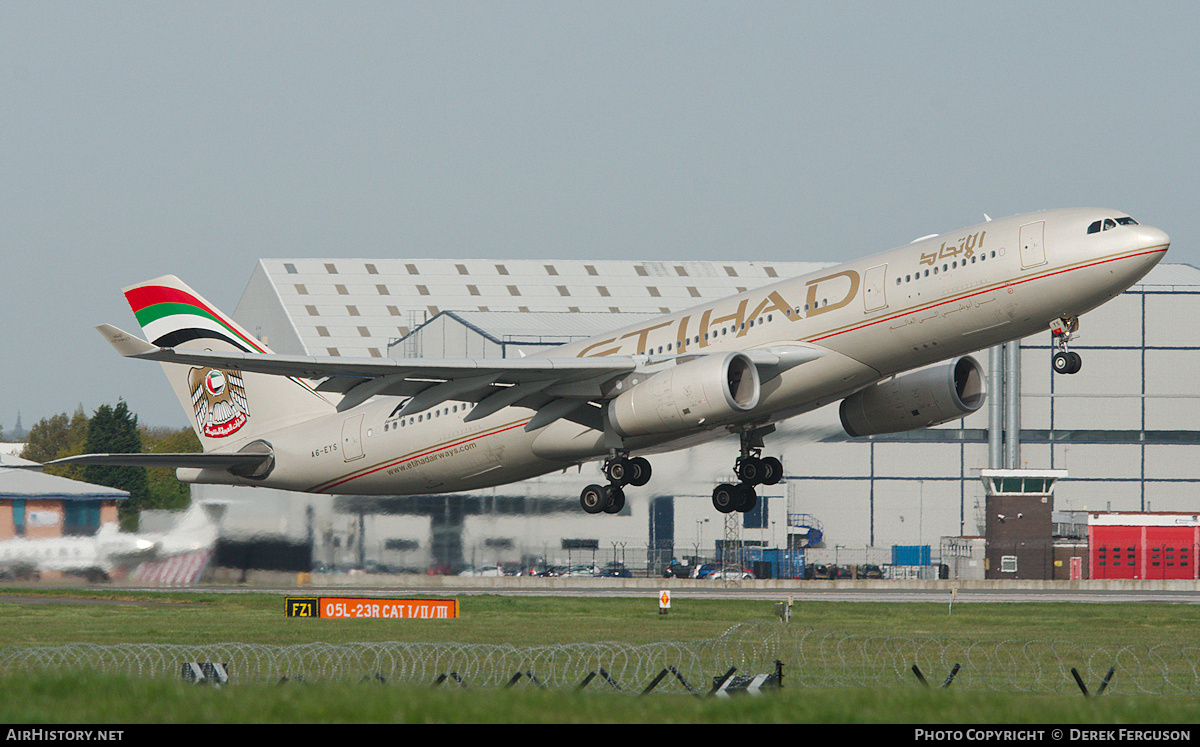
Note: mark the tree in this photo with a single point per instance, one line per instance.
(114, 430)
(56, 437)
(166, 491)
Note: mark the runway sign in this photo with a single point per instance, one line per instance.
(349, 608)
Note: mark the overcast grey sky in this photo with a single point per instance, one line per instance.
(192, 138)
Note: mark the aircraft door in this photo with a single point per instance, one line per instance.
(352, 447)
(875, 293)
(1033, 251)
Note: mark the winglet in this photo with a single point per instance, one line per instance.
(128, 345)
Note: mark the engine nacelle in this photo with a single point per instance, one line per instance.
(708, 389)
(918, 399)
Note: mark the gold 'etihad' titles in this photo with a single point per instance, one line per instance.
(817, 301)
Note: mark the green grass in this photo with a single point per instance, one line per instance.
(116, 700)
(203, 618)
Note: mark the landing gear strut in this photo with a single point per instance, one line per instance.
(1064, 360)
(620, 471)
(752, 469)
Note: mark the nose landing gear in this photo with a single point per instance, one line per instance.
(1064, 360)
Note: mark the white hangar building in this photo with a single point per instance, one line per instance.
(1125, 428)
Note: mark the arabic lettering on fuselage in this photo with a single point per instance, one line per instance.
(965, 247)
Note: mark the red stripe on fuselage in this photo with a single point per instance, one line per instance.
(398, 462)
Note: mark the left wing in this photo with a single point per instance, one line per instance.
(555, 387)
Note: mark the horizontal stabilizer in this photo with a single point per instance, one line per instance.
(128, 345)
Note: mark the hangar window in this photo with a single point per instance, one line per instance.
(312, 310)
(771, 272)
(352, 310)
(290, 269)
(371, 270)
(394, 310)
(331, 269)
(501, 270)
(301, 290)
(562, 291)
(473, 290)
(694, 291)
(322, 332)
(641, 270)
(730, 272)
(550, 270)
(681, 271)
(341, 289)
(423, 290)
(412, 269)
(603, 291)
(462, 269)
(653, 291)
(590, 270)
(383, 290)
(364, 332)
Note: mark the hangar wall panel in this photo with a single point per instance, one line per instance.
(1117, 323)
(1096, 495)
(843, 507)
(1172, 462)
(1085, 460)
(918, 512)
(1173, 319)
(917, 460)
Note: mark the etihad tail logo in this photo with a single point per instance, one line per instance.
(219, 398)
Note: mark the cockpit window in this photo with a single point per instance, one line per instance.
(1108, 223)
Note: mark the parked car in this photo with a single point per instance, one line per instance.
(581, 571)
(616, 570)
(678, 570)
(870, 571)
(704, 570)
(487, 571)
(731, 571)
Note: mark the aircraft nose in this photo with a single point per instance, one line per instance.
(1150, 237)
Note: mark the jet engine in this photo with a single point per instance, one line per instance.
(711, 388)
(918, 399)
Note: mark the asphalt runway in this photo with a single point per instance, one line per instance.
(718, 591)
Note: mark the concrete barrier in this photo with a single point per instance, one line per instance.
(532, 583)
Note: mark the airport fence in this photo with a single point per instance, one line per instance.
(757, 653)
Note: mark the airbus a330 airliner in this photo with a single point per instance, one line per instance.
(889, 336)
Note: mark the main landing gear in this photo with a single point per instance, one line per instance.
(752, 469)
(1064, 361)
(620, 471)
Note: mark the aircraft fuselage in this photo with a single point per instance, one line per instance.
(872, 318)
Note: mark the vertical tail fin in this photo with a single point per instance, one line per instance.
(225, 406)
